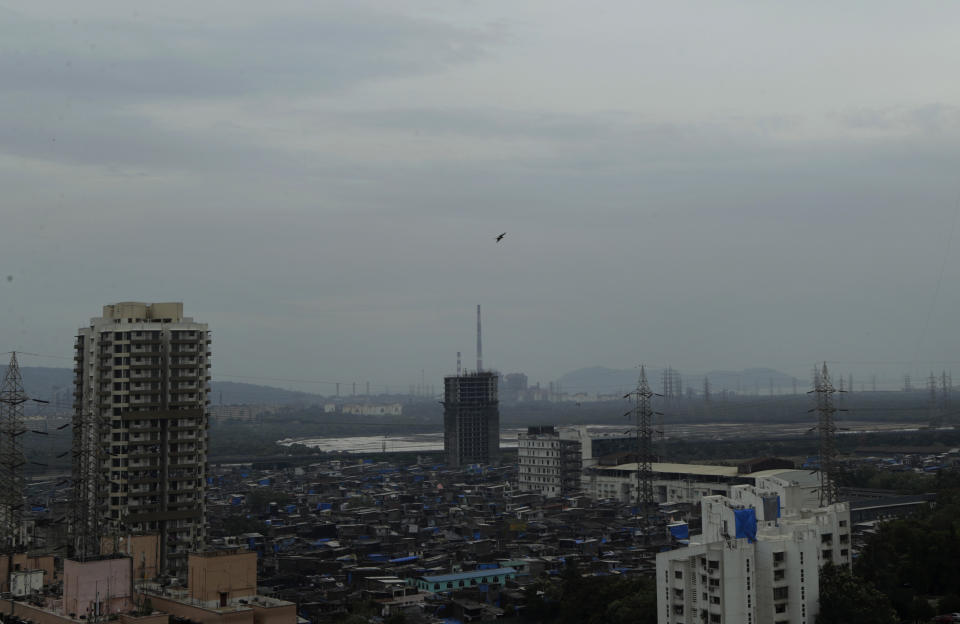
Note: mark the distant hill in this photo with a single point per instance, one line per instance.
(602, 380)
(56, 384)
(233, 393)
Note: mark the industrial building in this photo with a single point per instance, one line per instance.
(548, 462)
(140, 429)
(758, 558)
(471, 419)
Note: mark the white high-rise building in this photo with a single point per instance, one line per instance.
(758, 558)
(548, 462)
(140, 429)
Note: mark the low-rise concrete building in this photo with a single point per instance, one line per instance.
(440, 583)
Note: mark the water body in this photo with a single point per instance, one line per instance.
(433, 441)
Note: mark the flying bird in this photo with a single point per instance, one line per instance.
(500, 238)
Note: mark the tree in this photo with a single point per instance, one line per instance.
(848, 599)
(949, 604)
(920, 610)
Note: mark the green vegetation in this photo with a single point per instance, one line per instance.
(849, 599)
(866, 476)
(574, 599)
(915, 559)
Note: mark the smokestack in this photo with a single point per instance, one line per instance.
(479, 345)
(458, 363)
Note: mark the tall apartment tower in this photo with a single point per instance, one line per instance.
(471, 419)
(140, 430)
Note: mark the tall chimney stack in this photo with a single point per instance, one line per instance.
(479, 345)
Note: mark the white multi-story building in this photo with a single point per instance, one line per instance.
(672, 483)
(140, 429)
(758, 558)
(548, 462)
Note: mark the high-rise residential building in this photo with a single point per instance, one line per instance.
(548, 461)
(758, 558)
(140, 430)
(471, 419)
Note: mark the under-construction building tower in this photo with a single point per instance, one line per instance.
(471, 414)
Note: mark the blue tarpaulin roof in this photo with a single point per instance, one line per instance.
(680, 531)
(746, 523)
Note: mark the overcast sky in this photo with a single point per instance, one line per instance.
(702, 184)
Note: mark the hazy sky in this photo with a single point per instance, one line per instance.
(702, 184)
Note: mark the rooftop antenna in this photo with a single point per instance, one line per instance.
(479, 345)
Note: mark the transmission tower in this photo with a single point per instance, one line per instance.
(936, 416)
(12, 398)
(643, 415)
(827, 429)
(946, 382)
(666, 379)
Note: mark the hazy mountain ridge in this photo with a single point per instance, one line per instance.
(56, 384)
(50, 383)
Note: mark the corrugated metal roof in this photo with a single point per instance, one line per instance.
(801, 477)
(693, 469)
